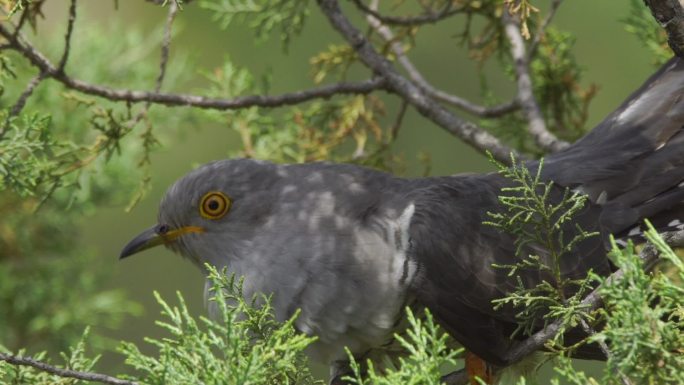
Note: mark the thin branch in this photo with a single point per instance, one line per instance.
(19, 105)
(649, 255)
(163, 61)
(606, 351)
(67, 373)
(22, 20)
(469, 132)
(555, 4)
(21, 101)
(670, 15)
(417, 77)
(33, 83)
(427, 18)
(537, 127)
(134, 96)
(590, 331)
(147, 135)
(173, 9)
(394, 132)
(67, 37)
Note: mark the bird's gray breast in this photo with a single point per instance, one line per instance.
(348, 271)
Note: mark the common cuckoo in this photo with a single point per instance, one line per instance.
(353, 247)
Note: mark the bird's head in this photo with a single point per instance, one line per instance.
(204, 211)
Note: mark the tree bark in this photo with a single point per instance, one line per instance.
(670, 15)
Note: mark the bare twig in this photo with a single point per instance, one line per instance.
(397, 123)
(555, 4)
(670, 15)
(134, 96)
(147, 136)
(604, 348)
(163, 62)
(21, 102)
(67, 37)
(467, 131)
(536, 125)
(67, 373)
(649, 255)
(417, 77)
(427, 18)
(19, 105)
(22, 20)
(173, 9)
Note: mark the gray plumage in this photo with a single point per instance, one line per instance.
(352, 246)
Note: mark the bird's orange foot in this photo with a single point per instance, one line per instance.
(476, 368)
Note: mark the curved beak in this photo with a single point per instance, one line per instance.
(155, 236)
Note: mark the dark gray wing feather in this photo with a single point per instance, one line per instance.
(631, 166)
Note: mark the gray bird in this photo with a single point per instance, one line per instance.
(352, 247)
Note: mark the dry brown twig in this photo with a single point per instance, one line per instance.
(64, 373)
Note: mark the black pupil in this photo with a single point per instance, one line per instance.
(213, 205)
(162, 229)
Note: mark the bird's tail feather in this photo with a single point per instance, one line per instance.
(632, 163)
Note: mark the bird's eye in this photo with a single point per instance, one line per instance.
(214, 205)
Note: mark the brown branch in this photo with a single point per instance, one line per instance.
(22, 20)
(21, 102)
(555, 4)
(173, 9)
(417, 77)
(67, 37)
(66, 373)
(536, 125)
(670, 15)
(427, 18)
(606, 351)
(163, 62)
(134, 96)
(649, 255)
(30, 87)
(469, 132)
(394, 132)
(19, 105)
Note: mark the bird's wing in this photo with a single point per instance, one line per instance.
(631, 166)
(632, 163)
(456, 254)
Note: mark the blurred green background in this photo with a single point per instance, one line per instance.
(611, 57)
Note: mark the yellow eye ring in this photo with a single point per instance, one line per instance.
(214, 205)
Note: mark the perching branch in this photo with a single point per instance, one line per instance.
(670, 15)
(469, 132)
(536, 125)
(65, 373)
(649, 255)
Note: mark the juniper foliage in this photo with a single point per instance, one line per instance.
(68, 152)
